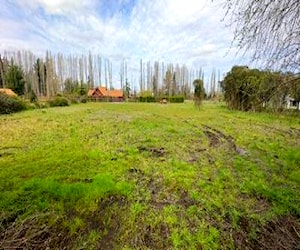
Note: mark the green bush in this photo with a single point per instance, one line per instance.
(176, 99)
(58, 101)
(147, 99)
(83, 100)
(10, 104)
(32, 96)
(171, 99)
(40, 105)
(73, 100)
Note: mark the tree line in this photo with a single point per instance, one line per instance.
(45, 77)
(252, 89)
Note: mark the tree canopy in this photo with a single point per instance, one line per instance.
(252, 89)
(199, 92)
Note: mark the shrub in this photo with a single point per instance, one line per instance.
(40, 105)
(176, 99)
(58, 101)
(10, 104)
(147, 99)
(83, 100)
(32, 96)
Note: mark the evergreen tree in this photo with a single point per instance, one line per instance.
(14, 79)
(199, 92)
(127, 88)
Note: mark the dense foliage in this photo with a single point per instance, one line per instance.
(199, 92)
(171, 99)
(176, 99)
(58, 101)
(10, 104)
(14, 78)
(251, 89)
(148, 98)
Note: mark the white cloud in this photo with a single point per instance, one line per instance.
(60, 7)
(184, 31)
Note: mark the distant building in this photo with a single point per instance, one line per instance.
(8, 92)
(292, 103)
(103, 94)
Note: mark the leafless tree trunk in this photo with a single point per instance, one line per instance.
(105, 72)
(91, 71)
(100, 69)
(141, 76)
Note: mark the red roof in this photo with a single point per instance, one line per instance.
(103, 92)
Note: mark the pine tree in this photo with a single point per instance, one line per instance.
(14, 79)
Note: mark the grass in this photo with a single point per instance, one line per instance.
(148, 176)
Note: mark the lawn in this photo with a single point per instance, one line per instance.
(149, 176)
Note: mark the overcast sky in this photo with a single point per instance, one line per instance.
(188, 32)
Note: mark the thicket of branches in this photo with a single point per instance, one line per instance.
(269, 30)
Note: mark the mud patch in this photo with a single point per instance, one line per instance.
(156, 237)
(160, 194)
(49, 231)
(216, 138)
(85, 180)
(108, 220)
(155, 152)
(256, 203)
(36, 233)
(282, 233)
(185, 200)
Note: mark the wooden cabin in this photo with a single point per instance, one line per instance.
(103, 94)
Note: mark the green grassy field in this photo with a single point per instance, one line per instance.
(149, 176)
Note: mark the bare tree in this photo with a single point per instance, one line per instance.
(110, 75)
(149, 76)
(168, 81)
(141, 76)
(122, 74)
(3, 67)
(91, 71)
(213, 84)
(105, 72)
(99, 69)
(155, 78)
(269, 29)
